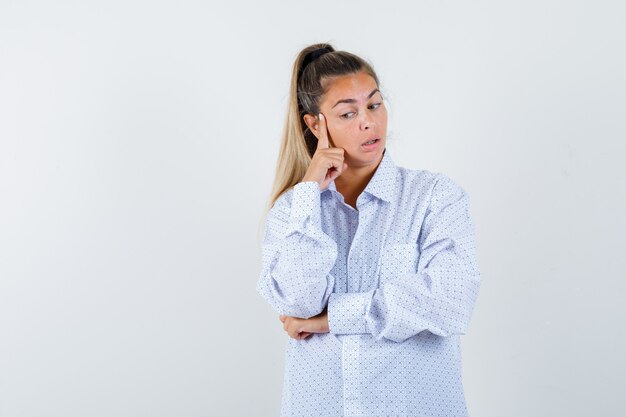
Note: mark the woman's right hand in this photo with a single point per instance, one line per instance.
(327, 163)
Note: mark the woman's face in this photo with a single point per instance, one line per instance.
(355, 113)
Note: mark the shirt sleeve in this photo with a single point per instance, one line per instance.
(297, 256)
(439, 296)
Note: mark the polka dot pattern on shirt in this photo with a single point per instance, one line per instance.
(400, 278)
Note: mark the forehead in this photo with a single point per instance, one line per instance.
(356, 86)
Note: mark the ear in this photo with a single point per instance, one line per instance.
(312, 123)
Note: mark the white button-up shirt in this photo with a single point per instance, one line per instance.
(399, 275)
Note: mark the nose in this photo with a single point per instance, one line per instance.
(367, 121)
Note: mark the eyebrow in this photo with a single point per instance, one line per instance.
(351, 100)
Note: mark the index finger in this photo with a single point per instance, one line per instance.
(322, 141)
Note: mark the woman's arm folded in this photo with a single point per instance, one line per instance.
(439, 296)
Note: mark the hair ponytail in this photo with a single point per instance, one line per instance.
(312, 70)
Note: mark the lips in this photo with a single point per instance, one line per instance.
(370, 139)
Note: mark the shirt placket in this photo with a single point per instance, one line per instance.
(353, 405)
(351, 347)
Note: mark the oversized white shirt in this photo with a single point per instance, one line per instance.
(400, 277)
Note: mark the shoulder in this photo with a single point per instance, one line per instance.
(429, 183)
(432, 190)
(447, 197)
(447, 186)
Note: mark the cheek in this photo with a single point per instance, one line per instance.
(337, 132)
(382, 120)
(346, 134)
(383, 115)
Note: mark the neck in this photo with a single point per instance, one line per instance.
(354, 180)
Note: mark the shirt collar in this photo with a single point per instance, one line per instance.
(383, 183)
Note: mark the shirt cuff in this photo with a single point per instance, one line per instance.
(305, 204)
(346, 312)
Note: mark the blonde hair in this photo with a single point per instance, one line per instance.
(298, 142)
(309, 78)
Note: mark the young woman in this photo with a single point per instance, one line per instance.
(371, 266)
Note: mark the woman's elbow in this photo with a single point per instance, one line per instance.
(294, 303)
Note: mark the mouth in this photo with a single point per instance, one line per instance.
(370, 141)
(370, 145)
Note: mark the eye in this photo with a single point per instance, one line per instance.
(345, 115)
(375, 105)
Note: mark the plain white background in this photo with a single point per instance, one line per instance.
(137, 148)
